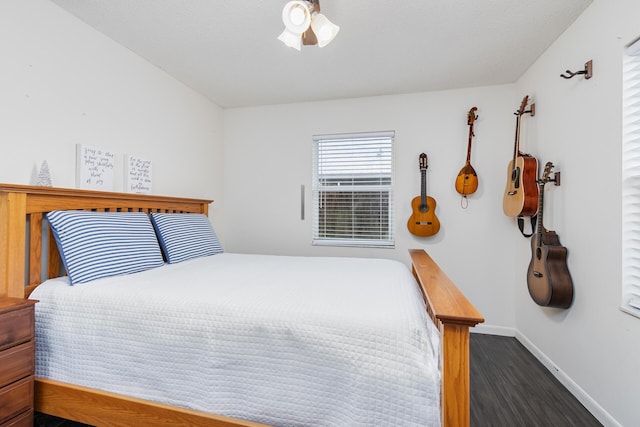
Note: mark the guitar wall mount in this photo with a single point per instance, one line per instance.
(588, 71)
(531, 111)
(554, 177)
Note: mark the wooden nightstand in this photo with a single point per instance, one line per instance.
(17, 361)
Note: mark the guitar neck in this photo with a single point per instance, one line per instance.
(423, 187)
(521, 111)
(516, 145)
(540, 213)
(469, 144)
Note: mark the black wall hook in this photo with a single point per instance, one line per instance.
(588, 71)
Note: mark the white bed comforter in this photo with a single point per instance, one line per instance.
(285, 341)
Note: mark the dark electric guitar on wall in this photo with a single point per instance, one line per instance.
(467, 179)
(548, 277)
(521, 193)
(423, 221)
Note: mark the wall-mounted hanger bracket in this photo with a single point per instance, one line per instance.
(554, 177)
(532, 110)
(588, 71)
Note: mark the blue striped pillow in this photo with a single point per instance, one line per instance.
(102, 244)
(185, 236)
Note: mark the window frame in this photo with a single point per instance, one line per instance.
(361, 182)
(630, 298)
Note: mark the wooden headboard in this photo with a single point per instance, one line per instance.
(26, 262)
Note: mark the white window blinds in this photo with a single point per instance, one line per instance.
(631, 182)
(353, 189)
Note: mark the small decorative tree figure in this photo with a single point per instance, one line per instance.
(44, 178)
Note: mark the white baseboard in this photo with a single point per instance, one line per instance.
(587, 401)
(493, 330)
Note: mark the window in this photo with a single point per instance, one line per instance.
(353, 189)
(631, 182)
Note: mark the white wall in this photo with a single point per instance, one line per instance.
(578, 126)
(63, 83)
(270, 150)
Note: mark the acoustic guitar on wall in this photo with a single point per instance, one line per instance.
(521, 193)
(467, 179)
(548, 278)
(423, 221)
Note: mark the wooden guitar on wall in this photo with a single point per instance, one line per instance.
(521, 193)
(423, 221)
(467, 179)
(548, 277)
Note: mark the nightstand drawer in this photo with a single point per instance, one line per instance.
(23, 420)
(16, 398)
(17, 362)
(16, 327)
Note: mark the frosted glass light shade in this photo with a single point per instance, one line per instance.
(296, 16)
(304, 24)
(324, 29)
(291, 39)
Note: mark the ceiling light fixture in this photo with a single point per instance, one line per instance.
(304, 24)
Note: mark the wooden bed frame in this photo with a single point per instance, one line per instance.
(28, 256)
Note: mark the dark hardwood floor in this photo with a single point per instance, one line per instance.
(509, 388)
(42, 420)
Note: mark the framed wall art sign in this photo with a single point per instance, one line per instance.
(94, 168)
(137, 175)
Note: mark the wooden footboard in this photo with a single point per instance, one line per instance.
(453, 314)
(28, 256)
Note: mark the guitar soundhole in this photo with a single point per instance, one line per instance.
(538, 253)
(515, 177)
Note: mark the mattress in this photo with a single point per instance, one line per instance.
(284, 341)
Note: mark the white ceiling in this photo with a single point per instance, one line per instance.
(228, 49)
